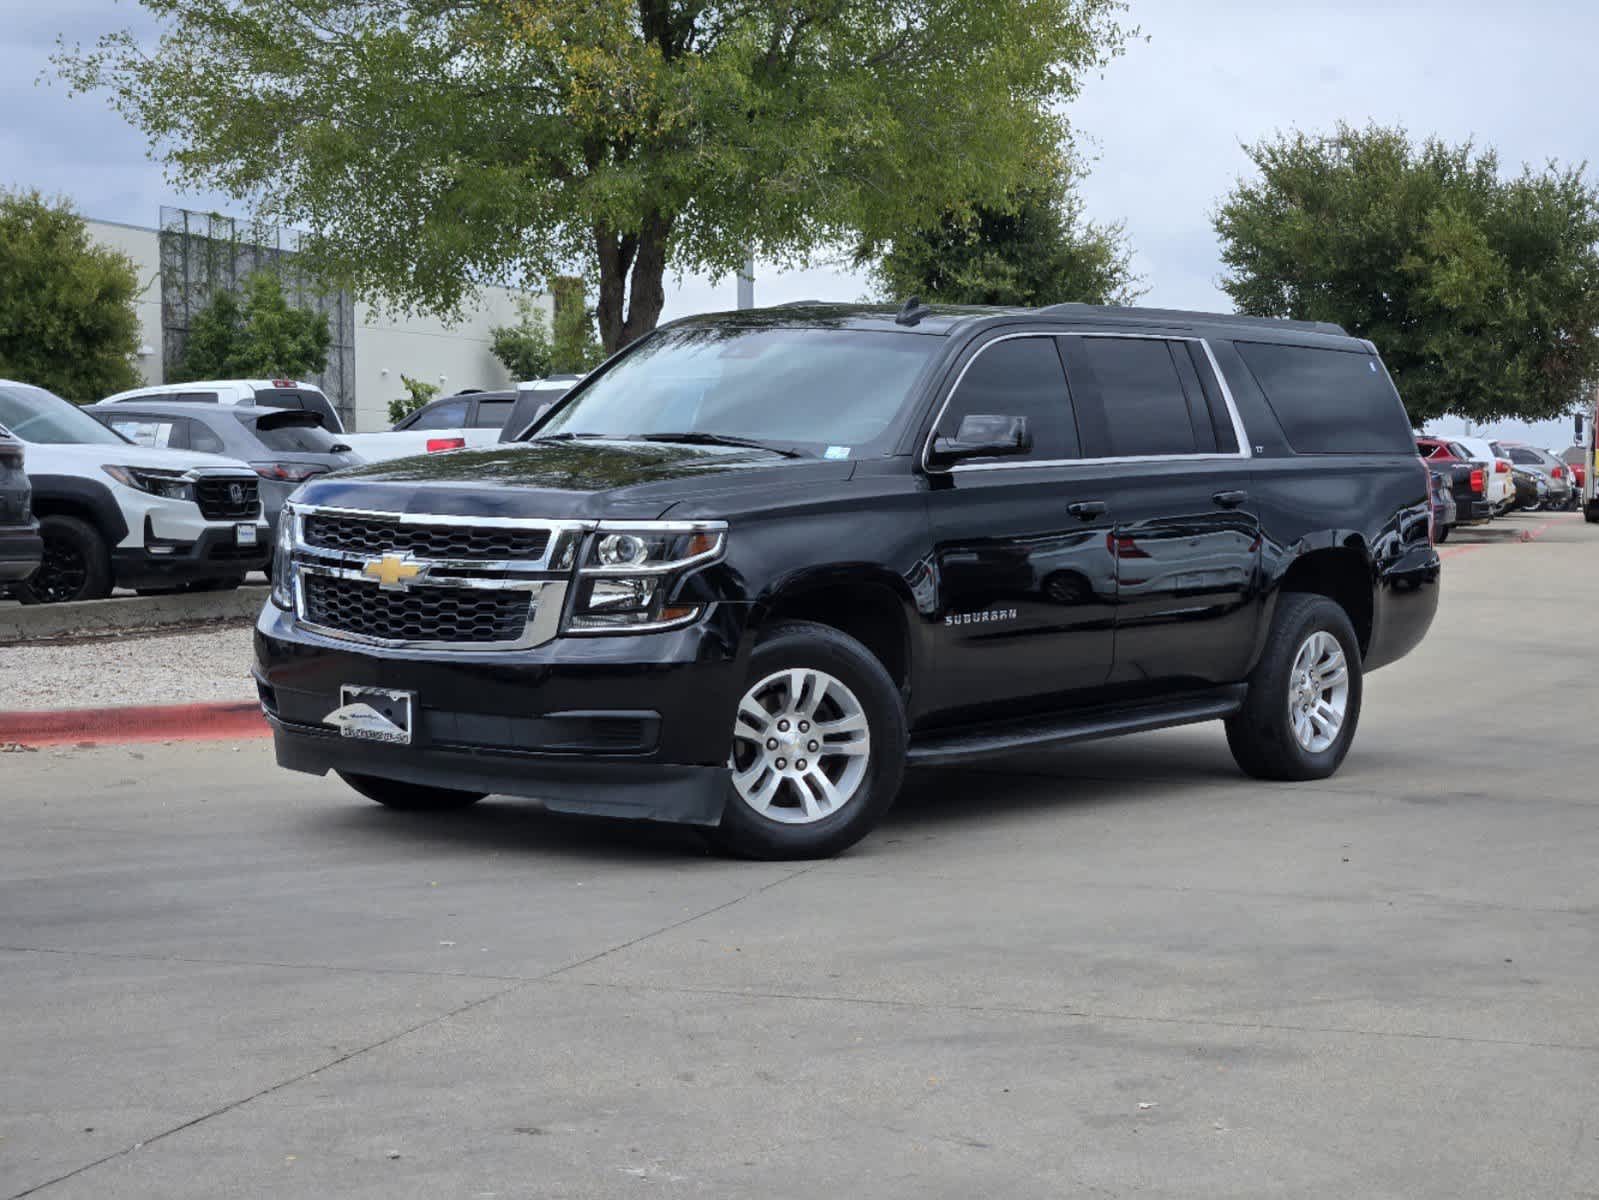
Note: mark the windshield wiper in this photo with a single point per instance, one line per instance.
(717, 439)
(569, 437)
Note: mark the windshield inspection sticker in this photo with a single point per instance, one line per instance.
(836, 452)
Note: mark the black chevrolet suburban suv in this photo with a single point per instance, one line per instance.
(757, 564)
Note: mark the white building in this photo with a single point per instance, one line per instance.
(453, 356)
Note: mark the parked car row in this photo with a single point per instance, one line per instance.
(1475, 480)
(180, 487)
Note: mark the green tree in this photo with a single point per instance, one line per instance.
(1481, 291)
(525, 348)
(418, 393)
(67, 320)
(259, 336)
(433, 147)
(574, 346)
(1034, 249)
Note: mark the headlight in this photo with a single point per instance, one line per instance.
(283, 561)
(628, 572)
(171, 485)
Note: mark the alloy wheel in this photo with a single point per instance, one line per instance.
(63, 571)
(1318, 692)
(801, 746)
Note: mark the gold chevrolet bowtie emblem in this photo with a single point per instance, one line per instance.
(391, 571)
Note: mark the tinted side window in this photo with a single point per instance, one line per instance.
(201, 438)
(1523, 457)
(1135, 380)
(491, 414)
(197, 397)
(1330, 401)
(449, 415)
(1018, 377)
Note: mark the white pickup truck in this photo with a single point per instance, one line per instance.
(464, 421)
(1501, 490)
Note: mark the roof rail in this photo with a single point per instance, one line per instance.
(1129, 312)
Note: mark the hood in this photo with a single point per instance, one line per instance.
(75, 458)
(584, 480)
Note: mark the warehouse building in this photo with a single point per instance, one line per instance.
(190, 255)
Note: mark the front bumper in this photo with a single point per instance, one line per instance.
(212, 553)
(629, 726)
(20, 549)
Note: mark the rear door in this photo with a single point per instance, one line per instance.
(1025, 581)
(1187, 536)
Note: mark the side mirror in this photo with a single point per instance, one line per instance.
(983, 435)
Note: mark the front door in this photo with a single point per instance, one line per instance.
(1023, 555)
(1187, 537)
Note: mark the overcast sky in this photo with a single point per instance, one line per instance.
(1165, 122)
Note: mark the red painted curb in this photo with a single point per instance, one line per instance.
(136, 723)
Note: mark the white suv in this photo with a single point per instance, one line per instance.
(113, 513)
(264, 393)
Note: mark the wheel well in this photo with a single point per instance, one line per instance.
(870, 613)
(1343, 577)
(54, 506)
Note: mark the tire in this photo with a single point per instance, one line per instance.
(1442, 535)
(835, 799)
(1590, 514)
(226, 583)
(76, 564)
(410, 797)
(1262, 736)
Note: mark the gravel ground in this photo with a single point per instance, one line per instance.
(154, 668)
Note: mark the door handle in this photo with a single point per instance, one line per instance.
(1086, 510)
(1230, 499)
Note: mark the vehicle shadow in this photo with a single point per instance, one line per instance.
(1123, 771)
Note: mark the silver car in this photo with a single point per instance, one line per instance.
(286, 446)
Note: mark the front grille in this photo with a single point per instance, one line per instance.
(227, 499)
(373, 535)
(432, 614)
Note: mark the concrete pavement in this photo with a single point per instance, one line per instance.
(1118, 970)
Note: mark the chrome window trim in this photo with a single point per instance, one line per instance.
(1241, 454)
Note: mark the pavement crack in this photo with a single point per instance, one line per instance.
(689, 920)
(269, 1090)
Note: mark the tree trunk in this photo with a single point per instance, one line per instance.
(632, 289)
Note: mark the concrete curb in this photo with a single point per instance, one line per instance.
(221, 721)
(124, 614)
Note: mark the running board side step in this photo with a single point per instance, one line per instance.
(1063, 729)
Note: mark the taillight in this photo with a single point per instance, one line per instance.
(1478, 480)
(437, 444)
(287, 472)
(1501, 466)
(1124, 546)
(1558, 473)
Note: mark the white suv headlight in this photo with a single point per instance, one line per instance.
(628, 570)
(170, 485)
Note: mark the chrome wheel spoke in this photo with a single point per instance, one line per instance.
(1318, 692)
(787, 726)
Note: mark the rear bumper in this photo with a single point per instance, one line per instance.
(213, 554)
(1403, 606)
(633, 727)
(20, 549)
(1473, 512)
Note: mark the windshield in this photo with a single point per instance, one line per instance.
(45, 419)
(828, 391)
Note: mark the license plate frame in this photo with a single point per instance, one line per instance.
(397, 708)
